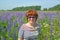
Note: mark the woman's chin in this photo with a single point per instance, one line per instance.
(32, 22)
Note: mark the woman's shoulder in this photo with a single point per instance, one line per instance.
(24, 27)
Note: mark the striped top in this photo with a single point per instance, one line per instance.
(28, 33)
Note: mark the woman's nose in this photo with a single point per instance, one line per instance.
(31, 18)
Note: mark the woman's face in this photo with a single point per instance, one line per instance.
(31, 19)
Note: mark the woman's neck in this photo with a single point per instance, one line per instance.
(30, 24)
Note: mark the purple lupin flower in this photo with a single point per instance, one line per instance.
(58, 15)
(51, 32)
(4, 17)
(9, 24)
(19, 20)
(44, 15)
(0, 17)
(51, 15)
(8, 27)
(2, 38)
(14, 35)
(46, 38)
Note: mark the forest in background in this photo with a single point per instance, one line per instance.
(54, 8)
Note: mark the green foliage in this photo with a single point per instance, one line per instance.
(46, 25)
(3, 26)
(3, 31)
(26, 8)
(55, 8)
(24, 19)
(45, 9)
(45, 28)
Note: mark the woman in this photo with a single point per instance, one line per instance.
(30, 30)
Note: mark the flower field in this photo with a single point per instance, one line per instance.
(10, 23)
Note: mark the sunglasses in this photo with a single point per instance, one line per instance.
(31, 17)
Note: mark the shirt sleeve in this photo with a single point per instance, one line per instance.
(20, 33)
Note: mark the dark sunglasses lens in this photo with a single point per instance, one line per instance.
(31, 17)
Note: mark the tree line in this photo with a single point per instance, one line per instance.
(26, 8)
(54, 8)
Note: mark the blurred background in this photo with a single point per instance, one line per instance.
(12, 16)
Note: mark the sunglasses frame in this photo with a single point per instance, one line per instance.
(31, 17)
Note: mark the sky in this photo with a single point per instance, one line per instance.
(10, 4)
